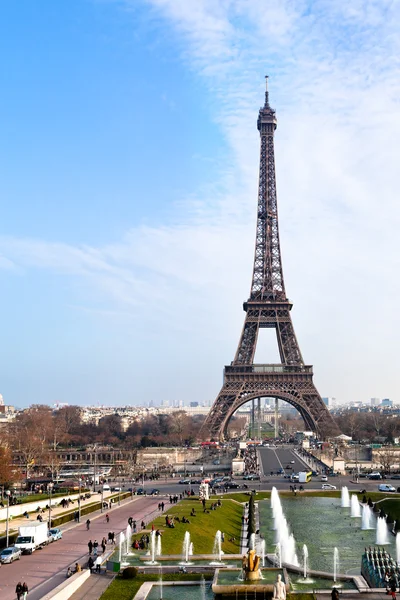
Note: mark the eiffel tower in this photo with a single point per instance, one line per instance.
(268, 306)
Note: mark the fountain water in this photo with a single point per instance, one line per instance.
(283, 535)
(335, 564)
(381, 531)
(366, 517)
(278, 555)
(128, 539)
(203, 588)
(262, 548)
(158, 545)
(252, 541)
(398, 547)
(345, 497)
(217, 549)
(161, 585)
(355, 506)
(121, 543)
(305, 560)
(186, 548)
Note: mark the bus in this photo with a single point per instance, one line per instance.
(305, 476)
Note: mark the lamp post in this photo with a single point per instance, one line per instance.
(50, 489)
(102, 498)
(7, 493)
(79, 501)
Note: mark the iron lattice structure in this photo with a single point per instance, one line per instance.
(268, 306)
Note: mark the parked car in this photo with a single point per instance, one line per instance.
(251, 477)
(385, 487)
(140, 492)
(328, 486)
(185, 481)
(374, 476)
(232, 485)
(155, 492)
(395, 477)
(56, 533)
(8, 555)
(50, 537)
(196, 481)
(324, 478)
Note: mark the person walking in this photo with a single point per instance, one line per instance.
(25, 591)
(88, 524)
(98, 564)
(91, 564)
(18, 590)
(95, 545)
(90, 546)
(103, 544)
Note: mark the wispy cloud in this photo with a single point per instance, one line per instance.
(334, 78)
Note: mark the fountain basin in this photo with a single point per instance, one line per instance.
(228, 582)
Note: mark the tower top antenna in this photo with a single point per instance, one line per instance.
(266, 104)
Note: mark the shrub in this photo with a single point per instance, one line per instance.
(130, 573)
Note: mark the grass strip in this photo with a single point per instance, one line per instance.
(203, 527)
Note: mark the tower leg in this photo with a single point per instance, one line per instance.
(259, 417)
(252, 417)
(276, 418)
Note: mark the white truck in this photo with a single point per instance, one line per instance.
(304, 477)
(31, 536)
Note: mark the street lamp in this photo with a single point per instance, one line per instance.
(50, 489)
(79, 501)
(102, 498)
(8, 494)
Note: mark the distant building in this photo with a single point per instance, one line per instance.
(375, 401)
(329, 401)
(194, 404)
(386, 402)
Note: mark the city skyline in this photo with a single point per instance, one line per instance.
(130, 155)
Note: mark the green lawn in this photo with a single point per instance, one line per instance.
(202, 527)
(125, 589)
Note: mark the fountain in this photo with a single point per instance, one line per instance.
(345, 497)
(335, 564)
(305, 561)
(381, 531)
(398, 547)
(203, 588)
(186, 549)
(366, 517)
(158, 545)
(252, 541)
(128, 539)
(278, 555)
(283, 535)
(262, 550)
(217, 549)
(161, 584)
(120, 545)
(355, 506)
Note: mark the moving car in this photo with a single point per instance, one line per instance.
(56, 533)
(155, 492)
(292, 462)
(140, 492)
(232, 485)
(185, 481)
(8, 555)
(385, 487)
(328, 486)
(374, 476)
(324, 478)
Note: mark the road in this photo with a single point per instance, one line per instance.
(46, 568)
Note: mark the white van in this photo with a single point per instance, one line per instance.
(106, 487)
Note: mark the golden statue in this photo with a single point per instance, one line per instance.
(251, 566)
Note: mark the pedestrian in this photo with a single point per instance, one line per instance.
(25, 591)
(88, 524)
(110, 537)
(134, 526)
(335, 593)
(18, 590)
(91, 564)
(98, 564)
(393, 587)
(113, 538)
(95, 545)
(90, 546)
(103, 544)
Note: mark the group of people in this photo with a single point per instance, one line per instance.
(93, 546)
(21, 590)
(161, 506)
(174, 499)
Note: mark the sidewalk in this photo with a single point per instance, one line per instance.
(56, 511)
(93, 588)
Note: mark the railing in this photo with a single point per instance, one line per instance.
(268, 369)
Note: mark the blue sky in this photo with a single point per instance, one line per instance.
(129, 158)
